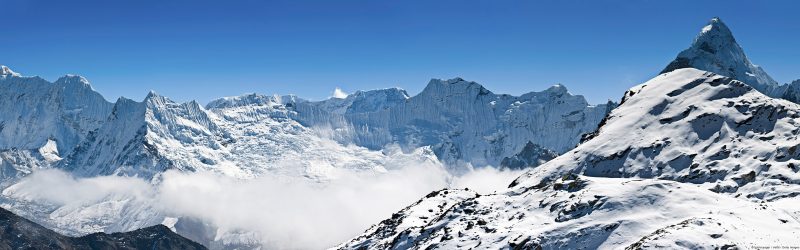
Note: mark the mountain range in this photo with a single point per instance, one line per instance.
(463, 124)
(459, 124)
(704, 155)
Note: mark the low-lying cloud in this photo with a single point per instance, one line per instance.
(278, 212)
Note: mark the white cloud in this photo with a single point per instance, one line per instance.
(281, 212)
(339, 93)
(57, 187)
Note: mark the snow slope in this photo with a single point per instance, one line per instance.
(689, 159)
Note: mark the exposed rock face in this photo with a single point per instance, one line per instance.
(19, 233)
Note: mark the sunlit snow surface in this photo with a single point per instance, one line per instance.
(689, 159)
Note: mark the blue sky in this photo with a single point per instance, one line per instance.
(207, 49)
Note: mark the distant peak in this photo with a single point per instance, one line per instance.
(716, 50)
(385, 92)
(714, 37)
(455, 80)
(123, 99)
(241, 100)
(715, 24)
(438, 86)
(5, 71)
(153, 97)
(69, 78)
(558, 88)
(715, 21)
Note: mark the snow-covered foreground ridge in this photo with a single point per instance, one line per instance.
(689, 159)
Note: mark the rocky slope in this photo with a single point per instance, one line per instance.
(19, 233)
(689, 159)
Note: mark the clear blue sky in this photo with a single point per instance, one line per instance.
(206, 49)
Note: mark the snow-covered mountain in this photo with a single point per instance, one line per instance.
(716, 50)
(42, 121)
(146, 138)
(700, 157)
(243, 137)
(703, 155)
(689, 159)
(462, 121)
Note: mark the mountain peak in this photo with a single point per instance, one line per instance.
(154, 98)
(242, 100)
(458, 81)
(73, 80)
(5, 71)
(716, 37)
(716, 50)
(151, 94)
(455, 80)
(558, 88)
(452, 86)
(715, 22)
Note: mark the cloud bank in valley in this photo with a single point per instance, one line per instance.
(275, 211)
